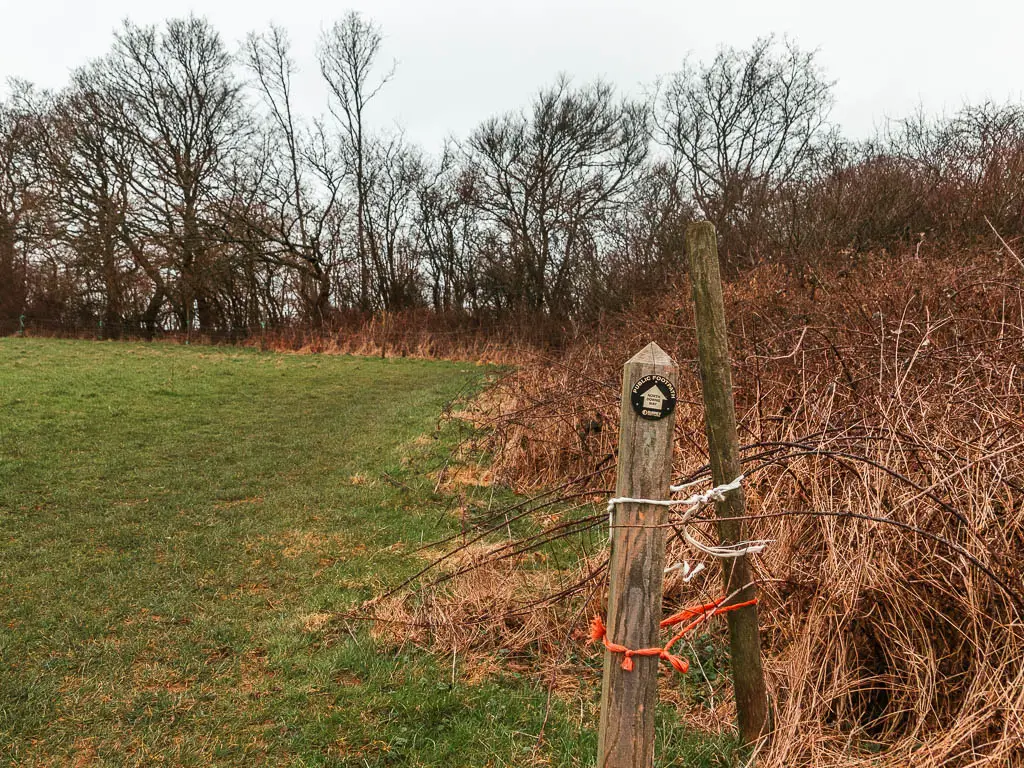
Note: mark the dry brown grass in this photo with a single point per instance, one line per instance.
(476, 616)
(412, 333)
(890, 388)
(403, 336)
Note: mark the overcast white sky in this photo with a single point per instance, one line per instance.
(460, 61)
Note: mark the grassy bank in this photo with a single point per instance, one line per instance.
(179, 527)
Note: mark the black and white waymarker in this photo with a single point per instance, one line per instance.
(653, 397)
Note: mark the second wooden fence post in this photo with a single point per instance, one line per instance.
(637, 560)
(723, 447)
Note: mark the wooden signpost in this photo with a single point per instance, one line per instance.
(636, 567)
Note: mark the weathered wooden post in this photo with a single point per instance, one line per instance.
(637, 560)
(723, 444)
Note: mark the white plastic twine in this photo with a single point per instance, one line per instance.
(697, 500)
(628, 500)
(717, 493)
(694, 504)
(732, 550)
(688, 572)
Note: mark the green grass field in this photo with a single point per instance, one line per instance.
(176, 523)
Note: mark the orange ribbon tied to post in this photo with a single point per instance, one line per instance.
(696, 616)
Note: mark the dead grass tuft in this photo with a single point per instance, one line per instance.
(475, 615)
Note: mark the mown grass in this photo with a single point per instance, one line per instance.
(177, 527)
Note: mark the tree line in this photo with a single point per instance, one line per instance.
(174, 184)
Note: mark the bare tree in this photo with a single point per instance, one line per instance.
(299, 195)
(89, 163)
(645, 236)
(394, 171)
(546, 180)
(448, 229)
(22, 201)
(743, 126)
(181, 107)
(348, 54)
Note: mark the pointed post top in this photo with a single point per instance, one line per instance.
(654, 355)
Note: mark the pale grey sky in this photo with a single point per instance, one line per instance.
(460, 61)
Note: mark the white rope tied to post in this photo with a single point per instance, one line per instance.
(732, 550)
(696, 502)
(717, 493)
(688, 572)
